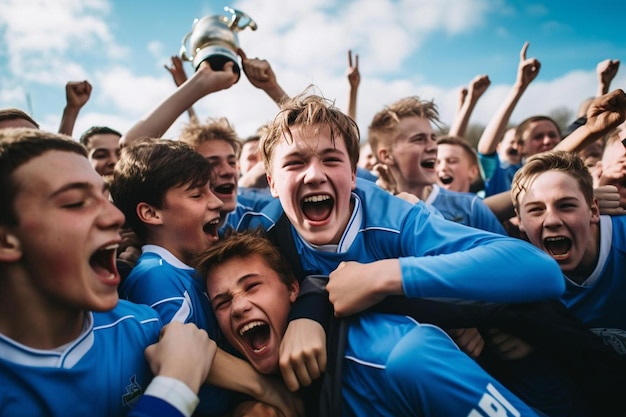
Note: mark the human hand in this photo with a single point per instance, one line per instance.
(606, 112)
(463, 91)
(129, 248)
(606, 71)
(258, 71)
(508, 346)
(608, 200)
(615, 175)
(183, 352)
(528, 69)
(469, 341)
(354, 77)
(385, 180)
(477, 87)
(276, 396)
(354, 286)
(77, 93)
(212, 81)
(302, 353)
(176, 70)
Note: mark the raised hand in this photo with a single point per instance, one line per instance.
(77, 93)
(606, 71)
(177, 70)
(354, 77)
(528, 69)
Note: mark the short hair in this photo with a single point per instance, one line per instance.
(13, 113)
(385, 122)
(244, 245)
(561, 161)
(310, 112)
(523, 126)
(17, 147)
(455, 140)
(195, 133)
(97, 130)
(147, 169)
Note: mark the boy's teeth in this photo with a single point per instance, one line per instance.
(110, 247)
(250, 326)
(316, 198)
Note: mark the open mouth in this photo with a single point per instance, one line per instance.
(512, 152)
(256, 335)
(211, 228)
(558, 247)
(103, 262)
(446, 180)
(428, 163)
(317, 207)
(224, 189)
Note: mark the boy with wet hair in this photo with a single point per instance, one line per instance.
(557, 210)
(68, 346)
(164, 189)
(374, 245)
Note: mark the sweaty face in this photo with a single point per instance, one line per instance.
(223, 161)
(413, 155)
(313, 178)
(189, 219)
(251, 305)
(68, 231)
(539, 137)
(454, 170)
(104, 152)
(556, 218)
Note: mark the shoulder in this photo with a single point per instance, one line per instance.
(129, 316)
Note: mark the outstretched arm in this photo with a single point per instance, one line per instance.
(260, 74)
(354, 78)
(178, 74)
(527, 71)
(77, 94)
(203, 82)
(477, 88)
(605, 113)
(606, 71)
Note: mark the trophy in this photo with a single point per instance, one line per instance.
(214, 38)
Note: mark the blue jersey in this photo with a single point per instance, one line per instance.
(464, 208)
(438, 258)
(173, 289)
(102, 373)
(498, 174)
(600, 302)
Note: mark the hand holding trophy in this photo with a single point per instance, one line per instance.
(214, 38)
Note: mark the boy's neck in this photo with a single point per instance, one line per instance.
(34, 321)
(590, 259)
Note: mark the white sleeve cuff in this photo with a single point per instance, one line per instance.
(175, 392)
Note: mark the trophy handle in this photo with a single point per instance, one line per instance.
(236, 16)
(183, 49)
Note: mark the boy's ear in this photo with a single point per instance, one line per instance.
(270, 182)
(595, 211)
(294, 290)
(520, 225)
(385, 156)
(148, 214)
(10, 246)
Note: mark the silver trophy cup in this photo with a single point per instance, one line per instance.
(214, 38)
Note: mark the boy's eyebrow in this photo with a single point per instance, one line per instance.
(239, 282)
(73, 186)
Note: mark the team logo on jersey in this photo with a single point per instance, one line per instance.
(133, 392)
(615, 338)
(493, 404)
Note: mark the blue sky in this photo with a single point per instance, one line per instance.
(408, 47)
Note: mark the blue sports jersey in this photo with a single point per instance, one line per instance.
(438, 258)
(464, 208)
(498, 174)
(234, 217)
(102, 373)
(173, 289)
(600, 302)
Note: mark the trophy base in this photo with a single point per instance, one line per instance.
(217, 56)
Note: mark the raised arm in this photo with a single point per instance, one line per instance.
(77, 94)
(354, 78)
(179, 76)
(527, 71)
(260, 74)
(606, 71)
(604, 113)
(476, 89)
(203, 82)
